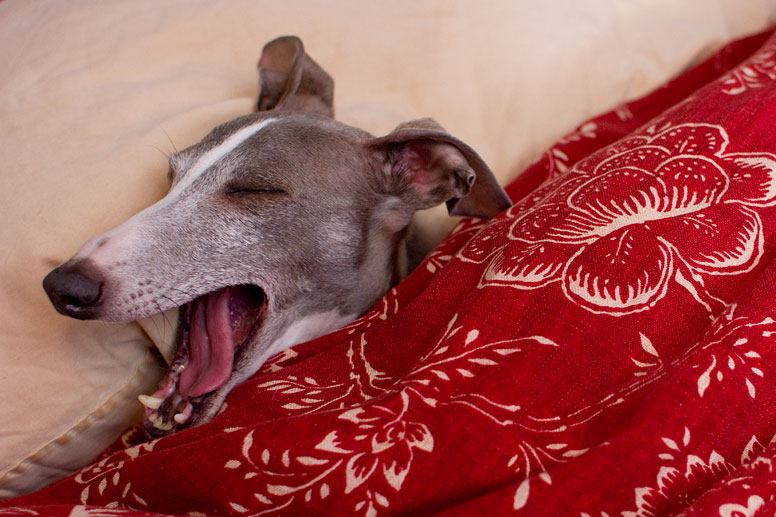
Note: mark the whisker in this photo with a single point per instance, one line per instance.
(184, 293)
(167, 322)
(170, 139)
(164, 153)
(156, 326)
(166, 319)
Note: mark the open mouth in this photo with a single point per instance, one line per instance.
(212, 330)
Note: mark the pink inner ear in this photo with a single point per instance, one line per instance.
(415, 156)
(419, 165)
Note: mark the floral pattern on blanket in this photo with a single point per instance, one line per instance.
(603, 348)
(656, 208)
(755, 73)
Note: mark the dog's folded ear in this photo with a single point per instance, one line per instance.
(426, 166)
(290, 80)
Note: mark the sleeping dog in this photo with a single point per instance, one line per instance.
(279, 226)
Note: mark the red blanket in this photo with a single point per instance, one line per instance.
(605, 347)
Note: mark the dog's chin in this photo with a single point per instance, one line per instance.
(212, 332)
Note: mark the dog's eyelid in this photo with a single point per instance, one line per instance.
(238, 190)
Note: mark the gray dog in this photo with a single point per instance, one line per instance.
(279, 227)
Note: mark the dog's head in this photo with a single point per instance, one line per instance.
(278, 227)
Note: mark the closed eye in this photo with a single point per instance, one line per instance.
(237, 190)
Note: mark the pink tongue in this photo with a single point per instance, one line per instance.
(211, 346)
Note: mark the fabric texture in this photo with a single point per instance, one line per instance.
(93, 93)
(604, 347)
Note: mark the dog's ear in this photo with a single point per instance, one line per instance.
(290, 80)
(426, 166)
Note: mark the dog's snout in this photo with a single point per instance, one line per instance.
(74, 290)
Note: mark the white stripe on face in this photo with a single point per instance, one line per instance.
(213, 155)
(106, 247)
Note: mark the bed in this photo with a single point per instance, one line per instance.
(603, 347)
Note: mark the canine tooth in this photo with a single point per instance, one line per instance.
(159, 424)
(180, 418)
(149, 401)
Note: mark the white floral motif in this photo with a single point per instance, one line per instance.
(586, 130)
(680, 480)
(97, 511)
(671, 205)
(754, 73)
(382, 442)
(275, 363)
(685, 477)
(386, 307)
(734, 341)
(308, 394)
(391, 440)
(624, 112)
(752, 463)
(107, 473)
(557, 160)
(441, 255)
(653, 361)
(753, 504)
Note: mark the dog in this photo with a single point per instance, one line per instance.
(279, 227)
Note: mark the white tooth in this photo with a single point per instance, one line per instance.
(159, 424)
(149, 401)
(180, 418)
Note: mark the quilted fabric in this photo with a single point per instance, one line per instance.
(604, 347)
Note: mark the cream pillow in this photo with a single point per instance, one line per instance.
(93, 93)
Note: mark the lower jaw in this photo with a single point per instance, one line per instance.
(173, 406)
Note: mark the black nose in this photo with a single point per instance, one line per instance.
(74, 289)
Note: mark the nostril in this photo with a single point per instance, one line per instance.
(71, 290)
(83, 291)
